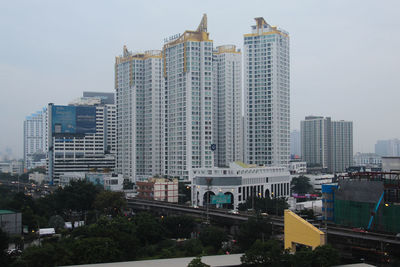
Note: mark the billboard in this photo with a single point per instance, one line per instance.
(73, 119)
(221, 199)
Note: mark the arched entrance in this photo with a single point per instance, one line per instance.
(267, 195)
(229, 205)
(207, 198)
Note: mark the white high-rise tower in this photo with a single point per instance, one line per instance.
(188, 101)
(227, 111)
(139, 98)
(267, 93)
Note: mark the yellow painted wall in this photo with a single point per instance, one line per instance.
(298, 230)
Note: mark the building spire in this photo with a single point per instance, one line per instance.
(203, 24)
(260, 22)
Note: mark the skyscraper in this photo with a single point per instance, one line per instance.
(227, 103)
(267, 92)
(35, 134)
(139, 98)
(187, 69)
(327, 144)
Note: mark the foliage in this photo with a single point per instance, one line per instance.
(301, 185)
(95, 250)
(248, 235)
(263, 254)
(178, 226)
(127, 184)
(3, 246)
(78, 196)
(212, 236)
(274, 206)
(196, 262)
(184, 192)
(149, 230)
(56, 222)
(326, 256)
(110, 203)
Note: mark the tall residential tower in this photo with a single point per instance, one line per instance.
(327, 144)
(187, 71)
(139, 98)
(227, 100)
(267, 93)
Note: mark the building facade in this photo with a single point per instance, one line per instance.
(139, 97)
(35, 134)
(367, 160)
(187, 70)
(227, 105)
(240, 182)
(77, 138)
(267, 93)
(158, 189)
(388, 148)
(295, 144)
(327, 144)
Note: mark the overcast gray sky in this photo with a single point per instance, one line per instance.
(344, 54)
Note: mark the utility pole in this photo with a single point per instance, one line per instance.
(209, 181)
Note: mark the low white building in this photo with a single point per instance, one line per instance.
(297, 167)
(37, 177)
(391, 164)
(240, 181)
(109, 181)
(114, 182)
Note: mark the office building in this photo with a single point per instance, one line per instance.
(35, 134)
(227, 105)
(139, 98)
(77, 138)
(187, 70)
(327, 144)
(388, 148)
(267, 93)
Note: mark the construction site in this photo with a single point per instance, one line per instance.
(366, 203)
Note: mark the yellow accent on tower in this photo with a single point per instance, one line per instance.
(299, 231)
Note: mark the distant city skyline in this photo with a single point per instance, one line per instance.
(340, 66)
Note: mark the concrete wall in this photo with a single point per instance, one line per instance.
(11, 223)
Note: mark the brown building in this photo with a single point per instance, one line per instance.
(158, 189)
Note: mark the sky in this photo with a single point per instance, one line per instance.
(344, 54)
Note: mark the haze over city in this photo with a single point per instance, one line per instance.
(343, 54)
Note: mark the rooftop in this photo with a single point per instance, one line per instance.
(6, 212)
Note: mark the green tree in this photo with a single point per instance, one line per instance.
(3, 247)
(178, 226)
(184, 192)
(149, 229)
(75, 199)
(263, 254)
(253, 229)
(95, 250)
(212, 236)
(110, 203)
(326, 256)
(301, 185)
(196, 262)
(56, 222)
